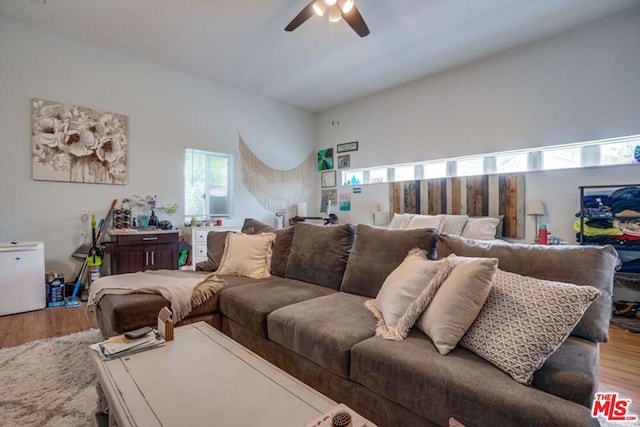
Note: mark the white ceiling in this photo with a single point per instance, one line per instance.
(241, 43)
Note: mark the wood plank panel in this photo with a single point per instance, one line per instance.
(437, 196)
(411, 197)
(396, 198)
(477, 195)
(456, 196)
(508, 192)
(424, 196)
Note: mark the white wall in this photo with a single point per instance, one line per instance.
(167, 111)
(580, 86)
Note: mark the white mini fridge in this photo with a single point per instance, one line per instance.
(22, 279)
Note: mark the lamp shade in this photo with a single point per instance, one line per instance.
(535, 207)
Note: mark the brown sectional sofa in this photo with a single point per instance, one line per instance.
(309, 319)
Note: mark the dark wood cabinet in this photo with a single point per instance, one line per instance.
(142, 251)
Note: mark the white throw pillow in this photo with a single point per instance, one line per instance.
(525, 320)
(426, 221)
(458, 301)
(247, 255)
(481, 228)
(453, 224)
(402, 297)
(400, 221)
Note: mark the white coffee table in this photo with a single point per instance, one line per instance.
(204, 378)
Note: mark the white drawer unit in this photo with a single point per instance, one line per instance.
(197, 238)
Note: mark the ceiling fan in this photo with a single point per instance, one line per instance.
(336, 9)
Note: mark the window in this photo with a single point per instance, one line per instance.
(208, 183)
(507, 163)
(561, 158)
(434, 170)
(614, 151)
(472, 166)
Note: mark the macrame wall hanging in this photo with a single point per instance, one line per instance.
(275, 189)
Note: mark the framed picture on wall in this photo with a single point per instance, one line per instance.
(344, 161)
(328, 179)
(347, 146)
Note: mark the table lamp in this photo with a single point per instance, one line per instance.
(535, 208)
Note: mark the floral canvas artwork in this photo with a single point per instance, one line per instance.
(78, 144)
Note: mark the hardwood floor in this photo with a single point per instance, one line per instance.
(619, 358)
(16, 329)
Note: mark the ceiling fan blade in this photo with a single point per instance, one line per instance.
(301, 17)
(356, 21)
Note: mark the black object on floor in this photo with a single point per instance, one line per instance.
(629, 325)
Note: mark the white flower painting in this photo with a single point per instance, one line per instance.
(78, 144)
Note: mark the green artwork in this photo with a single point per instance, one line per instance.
(325, 159)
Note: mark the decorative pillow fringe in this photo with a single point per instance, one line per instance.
(415, 309)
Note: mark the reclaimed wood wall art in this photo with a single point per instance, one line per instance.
(483, 195)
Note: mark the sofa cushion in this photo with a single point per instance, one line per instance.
(581, 265)
(571, 372)
(253, 226)
(462, 385)
(323, 329)
(215, 248)
(379, 251)
(458, 301)
(247, 255)
(250, 305)
(525, 320)
(281, 251)
(319, 254)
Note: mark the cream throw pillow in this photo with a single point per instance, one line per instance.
(426, 221)
(483, 228)
(400, 221)
(458, 301)
(406, 292)
(453, 224)
(525, 320)
(247, 255)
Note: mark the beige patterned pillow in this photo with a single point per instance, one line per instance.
(458, 301)
(406, 292)
(525, 320)
(247, 255)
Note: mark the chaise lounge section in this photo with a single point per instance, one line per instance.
(309, 318)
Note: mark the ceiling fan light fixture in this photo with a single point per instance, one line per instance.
(330, 3)
(319, 7)
(346, 5)
(334, 14)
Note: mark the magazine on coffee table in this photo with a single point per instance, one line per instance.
(119, 345)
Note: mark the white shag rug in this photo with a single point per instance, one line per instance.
(50, 382)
